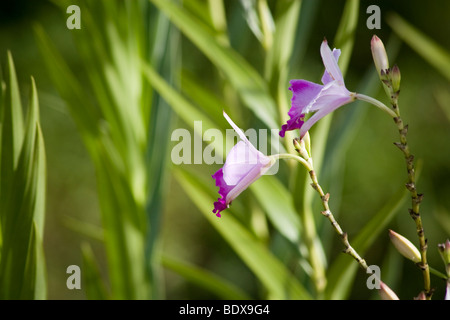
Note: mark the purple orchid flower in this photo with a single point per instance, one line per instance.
(243, 166)
(321, 99)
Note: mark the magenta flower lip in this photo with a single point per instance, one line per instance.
(243, 166)
(320, 99)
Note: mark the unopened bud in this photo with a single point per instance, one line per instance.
(405, 247)
(386, 293)
(307, 141)
(395, 78)
(379, 55)
(444, 250)
(300, 146)
(421, 296)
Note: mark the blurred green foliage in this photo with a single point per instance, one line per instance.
(200, 70)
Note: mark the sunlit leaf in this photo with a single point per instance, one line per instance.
(205, 279)
(248, 83)
(279, 282)
(431, 51)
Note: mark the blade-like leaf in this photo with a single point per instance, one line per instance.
(432, 52)
(12, 129)
(279, 206)
(93, 284)
(279, 282)
(343, 270)
(338, 147)
(183, 108)
(22, 263)
(345, 35)
(158, 145)
(319, 139)
(83, 112)
(205, 279)
(249, 84)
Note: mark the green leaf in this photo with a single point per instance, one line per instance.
(22, 264)
(320, 138)
(249, 84)
(345, 35)
(222, 288)
(70, 89)
(112, 115)
(12, 129)
(278, 280)
(343, 270)
(158, 146)
(278, 204)
(431, 51)
(123, 232)
(278, 57)
(338, 146)
(206, 100)
(182, 107)
(93, 283)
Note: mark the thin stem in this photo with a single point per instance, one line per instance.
(375, 103)
(328, 214)
(305, 163)
(439, 274)
(416, 199)
(309, 234)
(327, 211)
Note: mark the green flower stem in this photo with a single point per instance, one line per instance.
(305, 163)
(375, 103)
(416, 198)
(327, 212)
(438, 274)
(310, 237)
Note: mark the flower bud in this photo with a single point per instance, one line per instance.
(379, 55)
(405, 247)
(395, 78)
(307, 141)
(444, 250)
(299, 145)
(386, 293)
(421, 296)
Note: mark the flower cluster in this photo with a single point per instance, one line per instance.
(245, 164)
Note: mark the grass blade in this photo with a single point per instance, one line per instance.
(22, 264)
(93, 284)
(279, 282)
(343, 270)
(249, 84)
(434, 54)
(205, 279)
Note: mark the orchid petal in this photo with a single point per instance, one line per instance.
(240, 160)
(224, 189)
(332, 97)
(321, 99)
(238, 130)
(330, 62)
(326, 78)
(244, 164)
(303, 93)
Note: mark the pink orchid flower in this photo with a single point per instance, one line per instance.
(321, 99)
(243, 166)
